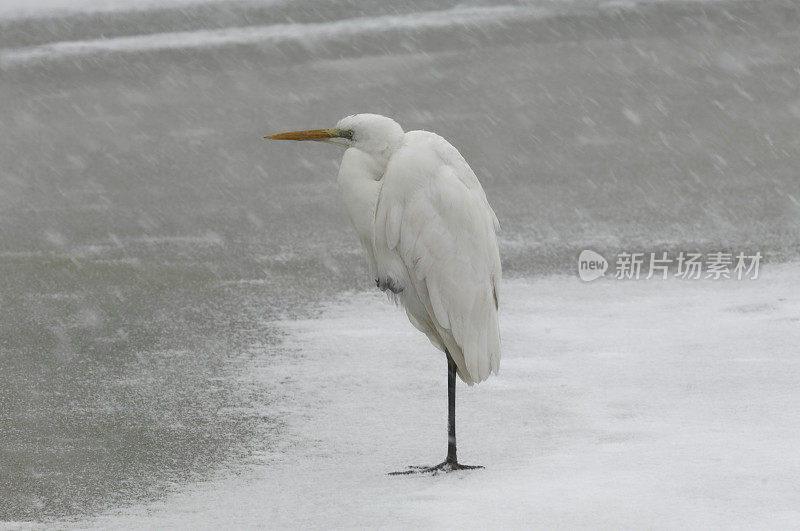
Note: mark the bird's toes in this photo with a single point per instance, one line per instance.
(390, 284)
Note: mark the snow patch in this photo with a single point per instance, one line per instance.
(270, 33)
(19, 9)
(654, 404)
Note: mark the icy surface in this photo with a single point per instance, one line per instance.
(33, 8)
(312, 32)
(661, 404)
(153, 247)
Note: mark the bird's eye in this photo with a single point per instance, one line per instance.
(349, 134)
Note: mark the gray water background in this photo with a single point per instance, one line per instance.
(148, 235)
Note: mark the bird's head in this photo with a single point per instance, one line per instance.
(369, 132)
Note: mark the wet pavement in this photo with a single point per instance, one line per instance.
(148, 235)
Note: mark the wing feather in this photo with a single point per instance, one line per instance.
(435, 217)
(393, 218)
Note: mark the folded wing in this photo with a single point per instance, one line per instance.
(433, 216)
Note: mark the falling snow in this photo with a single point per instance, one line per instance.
(188, 335)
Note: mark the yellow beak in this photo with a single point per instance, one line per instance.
(311, 134)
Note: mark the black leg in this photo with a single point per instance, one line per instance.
(451, 410)
(451, 463)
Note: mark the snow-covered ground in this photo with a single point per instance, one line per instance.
(274, 33)
(649, 404)
(154, 249)
(40, 8)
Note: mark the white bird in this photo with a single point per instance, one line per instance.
(430, 240)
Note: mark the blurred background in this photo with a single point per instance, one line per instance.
(148, 235)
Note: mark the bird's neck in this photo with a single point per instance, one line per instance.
(359, 185)
(358, 164)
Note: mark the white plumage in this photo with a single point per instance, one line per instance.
(428, 230)
(429, 236)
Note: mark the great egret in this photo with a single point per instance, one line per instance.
(429, 235)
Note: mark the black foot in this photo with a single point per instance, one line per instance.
(441, 468)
